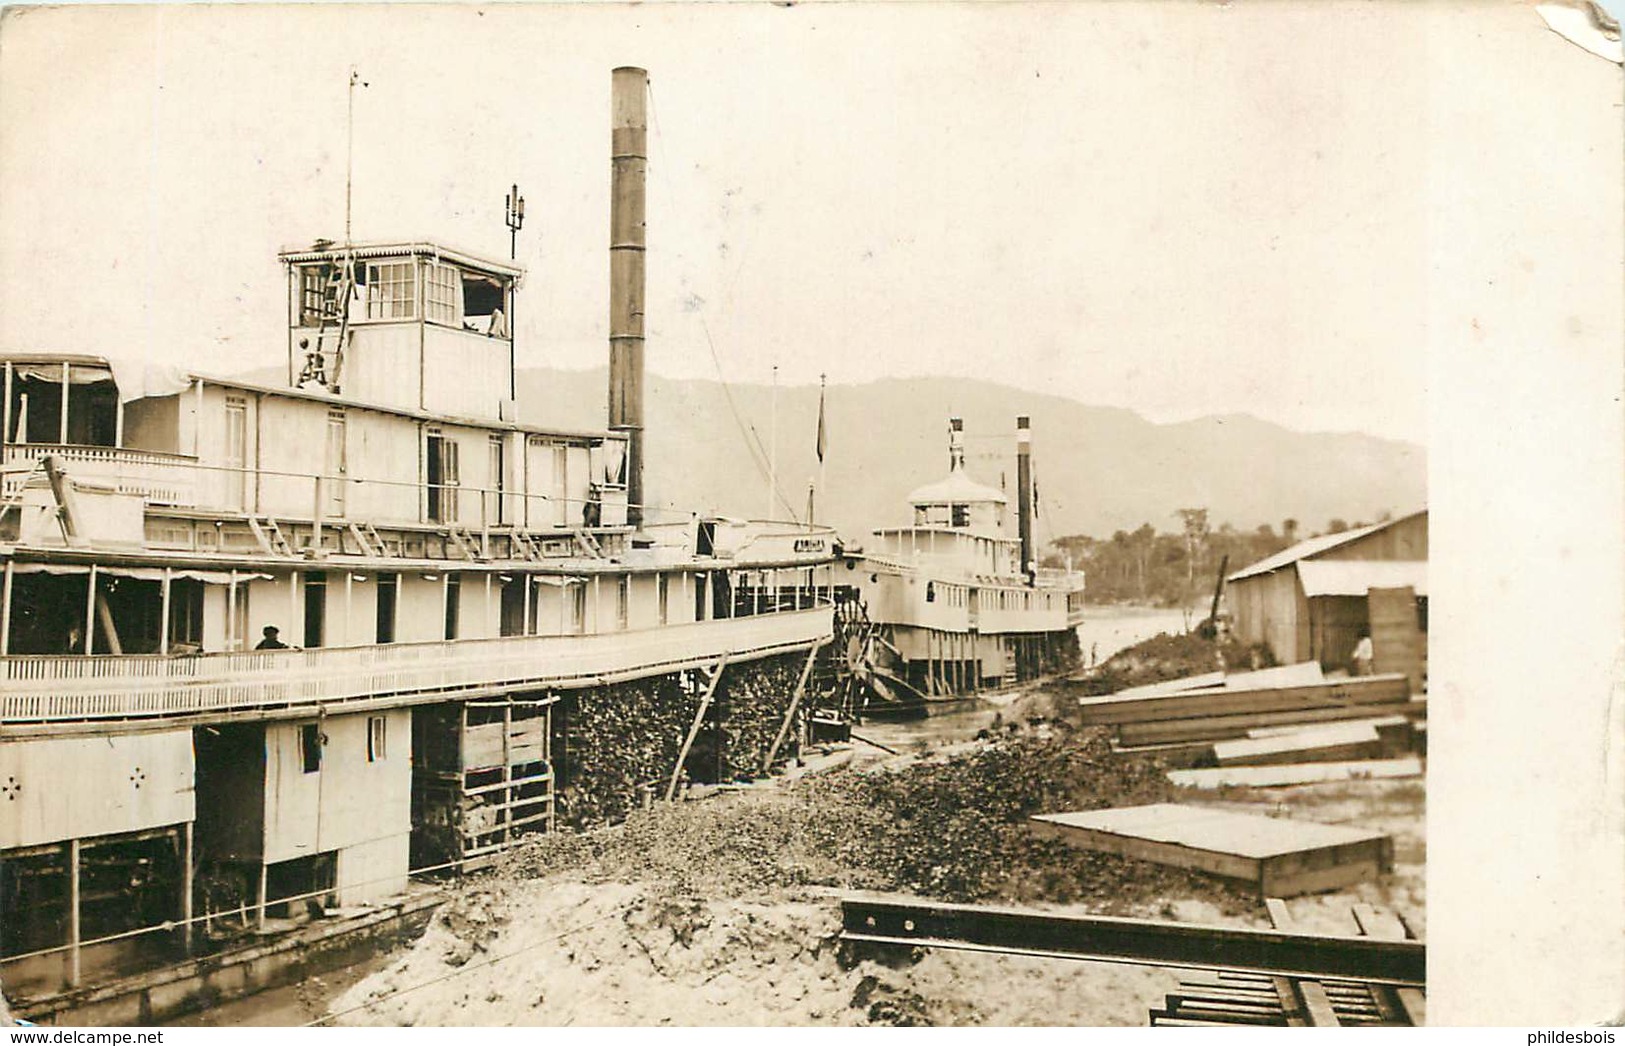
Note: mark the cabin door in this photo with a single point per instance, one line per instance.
(335, 464)
(561, 485)
(494, 489)
(236, 453)
(971, 608)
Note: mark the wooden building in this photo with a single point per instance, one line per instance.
(1311, 601)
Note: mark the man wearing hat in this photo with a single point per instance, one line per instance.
(271, 642)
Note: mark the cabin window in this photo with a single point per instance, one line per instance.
(930, 591)
(375, 738)
(39, 414)
(961, 515)
(623, 600)
(389, 586)
(454, 599)
(441, 291)
(663, 595)
(390, 291)
(310, 747)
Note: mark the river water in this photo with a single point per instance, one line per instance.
(1105, 631)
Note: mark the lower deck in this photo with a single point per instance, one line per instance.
(128, 851)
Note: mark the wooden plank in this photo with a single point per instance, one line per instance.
(1321, 744)
(1179, 756)
(1225, 727)
(1286, 774)
(1111, 710)
(1292, 729)
(1205, 681)
(1317, 1007)
(1304, 673)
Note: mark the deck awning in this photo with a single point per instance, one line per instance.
(208, 577)
(1355, 577)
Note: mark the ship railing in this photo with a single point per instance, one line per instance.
(182, 481)
(164, 479)
(42, 689)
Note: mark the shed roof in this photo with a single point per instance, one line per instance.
(1314, 547)
(1355, 577)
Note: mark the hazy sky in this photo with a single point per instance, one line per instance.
(1183, 209)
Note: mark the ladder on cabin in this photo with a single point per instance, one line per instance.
(589, 544)
(465, 541)
(270, 536)
(367, 537)
(525, 545)
(324, 351)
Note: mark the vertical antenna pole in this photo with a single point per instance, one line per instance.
(349, 150)
(773, 447)
(514, 217)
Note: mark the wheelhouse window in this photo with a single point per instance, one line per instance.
(391, 291)
(322, 295)
(442, 295)
(484, 304)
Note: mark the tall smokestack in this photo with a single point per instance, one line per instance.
(1024, 495)
(956, 443)
(629, 150)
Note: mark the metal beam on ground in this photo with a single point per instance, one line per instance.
(1136, 941)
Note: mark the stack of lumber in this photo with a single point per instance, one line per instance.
(1283, 717)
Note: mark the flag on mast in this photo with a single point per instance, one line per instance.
(823, 440)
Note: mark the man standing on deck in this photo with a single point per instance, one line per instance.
(271, 642)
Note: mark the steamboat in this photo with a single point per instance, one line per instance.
(273, 651)
(952, 604)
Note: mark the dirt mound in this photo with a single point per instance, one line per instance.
(573, 953)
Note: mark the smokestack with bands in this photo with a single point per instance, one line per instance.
(1024, 495)
(629, 159)
(956, 443)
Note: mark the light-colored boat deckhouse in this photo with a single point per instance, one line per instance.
(959, 601)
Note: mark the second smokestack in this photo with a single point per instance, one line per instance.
(629, 159)
(1024, 497)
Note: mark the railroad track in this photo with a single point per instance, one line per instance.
(1234, 975)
